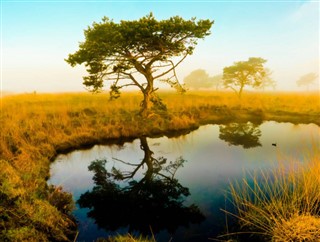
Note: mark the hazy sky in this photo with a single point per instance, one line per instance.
(36, 37)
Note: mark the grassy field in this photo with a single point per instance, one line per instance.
(36, 127)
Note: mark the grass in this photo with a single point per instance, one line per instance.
(127, 238)
(282, 204)
(36, 127)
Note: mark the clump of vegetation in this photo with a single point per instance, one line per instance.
(298, 228)
(127, 238)
(282, 205)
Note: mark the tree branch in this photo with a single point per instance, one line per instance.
(173, 67)
(127, 163)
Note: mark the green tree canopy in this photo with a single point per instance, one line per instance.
(244, 73)
(138, 52)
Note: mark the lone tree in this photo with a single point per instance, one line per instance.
(136, 53)
(307, 80)
(244, 73)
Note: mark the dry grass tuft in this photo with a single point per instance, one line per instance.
(298, 228)
(282, 204)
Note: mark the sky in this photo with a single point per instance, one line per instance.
(36, 37)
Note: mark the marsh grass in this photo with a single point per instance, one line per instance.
(127, 238)
(282, 204)
(36, 127)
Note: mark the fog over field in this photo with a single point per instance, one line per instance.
(36, 37)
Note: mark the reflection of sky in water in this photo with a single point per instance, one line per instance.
(211, 165)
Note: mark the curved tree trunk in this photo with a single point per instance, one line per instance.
(146, 104)
(147, 159)
(151, 102)
(147, 94)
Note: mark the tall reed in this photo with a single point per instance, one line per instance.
(282, 204)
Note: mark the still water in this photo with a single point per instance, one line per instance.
(174, 187)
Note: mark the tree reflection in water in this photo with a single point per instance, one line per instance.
(155, 201)
(245, 134)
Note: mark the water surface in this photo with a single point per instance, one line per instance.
(172, 186)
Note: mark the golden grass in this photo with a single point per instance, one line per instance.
(282, 204)
(35, 127)
(299, 228)
(127, 238)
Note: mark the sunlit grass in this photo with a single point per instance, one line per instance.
(127, 238)
(36, 127)
(282, 204)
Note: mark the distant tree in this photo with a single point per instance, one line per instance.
(267, 81)
(216, 81)
(307, 80)
(198, 79)
(244, 134)
(130, 51)
(244, 73)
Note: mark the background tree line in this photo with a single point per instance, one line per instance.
(250, 73)
(236, 77)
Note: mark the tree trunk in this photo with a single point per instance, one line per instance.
(240, 91)
(147, 95)
(151, 102)
(147, 158)
(146, 104)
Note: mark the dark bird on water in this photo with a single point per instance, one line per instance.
(274, 144)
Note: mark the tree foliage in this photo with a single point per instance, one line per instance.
(244, 73)
(200, 79)
(216, 81)
(138, 52)
(243, 134)
(307, 79)
(154, 200)
(197, 79)
(267, 81)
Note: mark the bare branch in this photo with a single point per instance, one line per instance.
(127, 163)
(173, 67)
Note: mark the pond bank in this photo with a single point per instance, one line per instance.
(216, 115)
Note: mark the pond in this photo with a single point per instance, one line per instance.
(173, 188)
